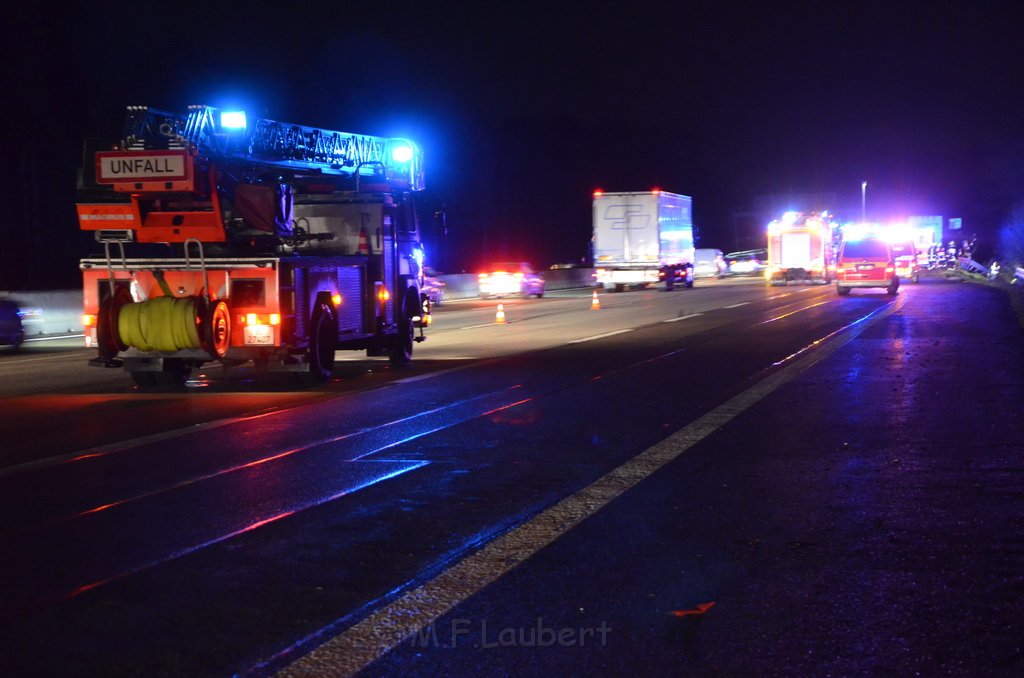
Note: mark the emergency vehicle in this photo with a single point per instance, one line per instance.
(232, 240)
(801, 247)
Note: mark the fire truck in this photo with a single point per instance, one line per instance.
(801, 247)
(227, 240)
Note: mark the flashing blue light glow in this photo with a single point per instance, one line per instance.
(790, 217)
(232, 120)
(402, 153)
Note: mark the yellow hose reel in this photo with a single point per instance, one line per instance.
(167, 324)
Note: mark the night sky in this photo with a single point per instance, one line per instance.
(525, 108)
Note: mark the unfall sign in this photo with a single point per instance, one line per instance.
(116, 166)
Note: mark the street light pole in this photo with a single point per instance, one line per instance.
(863, 201)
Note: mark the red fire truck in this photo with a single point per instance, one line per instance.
(232, 240)
(801, 247)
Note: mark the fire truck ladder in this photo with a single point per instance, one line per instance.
(274, 143)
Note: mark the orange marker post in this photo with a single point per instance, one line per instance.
(499, 317)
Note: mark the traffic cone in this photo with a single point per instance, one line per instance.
(595, 304)
(364, 245)
(499, 317)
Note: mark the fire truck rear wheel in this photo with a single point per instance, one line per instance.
(323, 339)
(401, 347)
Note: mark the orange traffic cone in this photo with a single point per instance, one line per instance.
(499, 317)
(595, 304)
(364, 246)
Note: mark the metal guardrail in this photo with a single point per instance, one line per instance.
(972, 266)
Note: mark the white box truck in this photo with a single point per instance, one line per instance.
(641, 238)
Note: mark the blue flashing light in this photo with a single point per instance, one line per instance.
(232, 120)
(402, 153)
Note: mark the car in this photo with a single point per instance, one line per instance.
(864, 263)
(433, 286)
(905, 255)
(750, 262)
(709, 263)
(510, 277)
(12, 331)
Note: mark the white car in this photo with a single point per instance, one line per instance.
(510, 278)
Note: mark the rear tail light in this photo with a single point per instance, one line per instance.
(88, 320)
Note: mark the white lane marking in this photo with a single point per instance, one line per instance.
(55, 337)
(599, 336)
(473, 327)
(742, 303)
(56, 356)
(779, 296)
(786, 315)
(357, 647)
(682, 317)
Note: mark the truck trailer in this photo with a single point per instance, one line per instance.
(641, 238)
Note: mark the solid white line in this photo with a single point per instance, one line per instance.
(55, 337)
(599, 336)
(473, 327)
(356, 648)
(55, 356)
(742, 303)
(682, 317)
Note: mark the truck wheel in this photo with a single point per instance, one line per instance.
(401, 348)
(842, 291)
(893, 287)
(323, 339)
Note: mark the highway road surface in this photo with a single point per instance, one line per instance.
(730, 479)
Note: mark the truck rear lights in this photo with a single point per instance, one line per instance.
(88, 320)
(259, 319)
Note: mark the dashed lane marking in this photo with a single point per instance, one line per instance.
(600, 336)
(682, 317)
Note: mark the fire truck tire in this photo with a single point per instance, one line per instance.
(323, 340)
(893, 287)
(401, 348)
(842, 291)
